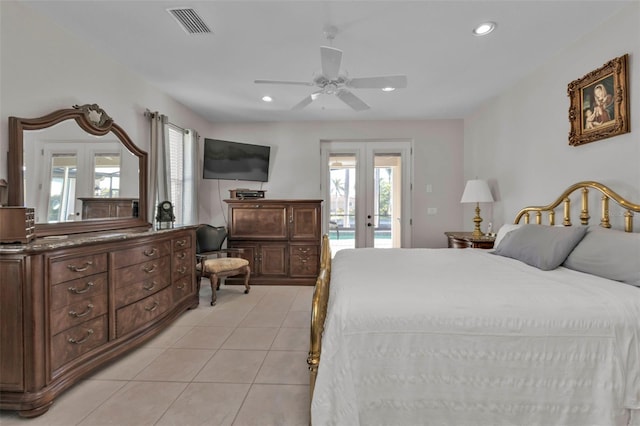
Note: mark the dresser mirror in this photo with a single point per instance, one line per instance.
(79, 170)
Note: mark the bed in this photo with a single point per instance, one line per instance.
(485, 337)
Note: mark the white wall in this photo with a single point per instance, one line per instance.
(519, 140)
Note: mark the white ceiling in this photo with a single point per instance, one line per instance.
(450, 72)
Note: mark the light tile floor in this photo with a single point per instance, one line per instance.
(241, 362)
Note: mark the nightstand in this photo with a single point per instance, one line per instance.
(466, 240)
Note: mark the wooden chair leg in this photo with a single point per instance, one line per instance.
(246, 280)
(214, 287)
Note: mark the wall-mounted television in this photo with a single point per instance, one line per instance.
(235, 161)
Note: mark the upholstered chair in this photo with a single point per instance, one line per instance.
(214, 262)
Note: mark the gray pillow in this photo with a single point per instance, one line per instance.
(609, 254)
(542, 246)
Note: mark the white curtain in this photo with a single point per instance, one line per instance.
(158, 162)
(190, 178)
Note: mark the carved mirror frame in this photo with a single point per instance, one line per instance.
(93, 120)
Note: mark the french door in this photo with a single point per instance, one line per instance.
(367, 193)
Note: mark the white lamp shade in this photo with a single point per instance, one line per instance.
(477, 191)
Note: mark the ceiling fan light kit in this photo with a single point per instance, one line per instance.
(331, 82)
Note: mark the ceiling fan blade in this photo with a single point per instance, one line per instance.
(293, 83)
(307, 100)
(395, 81)
(330, 59)
(352, 100)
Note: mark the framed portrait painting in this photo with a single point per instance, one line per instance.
(599, 103)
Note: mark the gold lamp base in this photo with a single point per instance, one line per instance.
(477, 233)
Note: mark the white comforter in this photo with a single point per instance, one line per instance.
(465, 337)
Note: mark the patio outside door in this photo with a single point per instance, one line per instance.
(367, 193)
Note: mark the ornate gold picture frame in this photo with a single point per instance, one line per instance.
(599, 103)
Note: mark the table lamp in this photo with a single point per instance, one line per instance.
(477, 191)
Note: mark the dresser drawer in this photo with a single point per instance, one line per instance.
(182, 288)
(141, 272)
(134, 291)
(182, 242)
(72, 343)
(141, 253)
(69, 292)
(133, 316)
(183, 264)
(76, 267)
(78, 312)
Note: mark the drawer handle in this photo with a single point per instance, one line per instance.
(151, 252)
(84, 290)
(181, 243)
(182, 255)
(82, 314)
(181, 287)
(152, 308)
(181, 270)
(153, 285)
(80, 268)
(149, 270)
(81, 341)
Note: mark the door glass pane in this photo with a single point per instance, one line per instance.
(342, 190)
(62, 191)
(106, 175)
(387, 200)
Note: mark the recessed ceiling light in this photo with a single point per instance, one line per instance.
(388, 89)
(484, 28)
(267, 98)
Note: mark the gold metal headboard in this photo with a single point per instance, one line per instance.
(607, 194)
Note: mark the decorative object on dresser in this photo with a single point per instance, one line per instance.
(243, 193)
(85, 292)
(477, 191)
(90, 129)
(599, 103)
(468, 240)
(17, 225)
(279, 238)
(165, 215)
(214, 262)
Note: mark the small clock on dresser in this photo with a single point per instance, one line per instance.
(165, 215)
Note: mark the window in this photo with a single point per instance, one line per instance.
(181, 174)
(176, 170)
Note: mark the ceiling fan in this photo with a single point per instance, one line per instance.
(332, 82)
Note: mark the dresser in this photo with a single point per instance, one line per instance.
(69, 305)
(99, 208)
(467, 240)
(279, 238)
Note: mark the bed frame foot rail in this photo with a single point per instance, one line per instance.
(319, 313)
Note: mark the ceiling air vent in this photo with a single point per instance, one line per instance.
(189, 20)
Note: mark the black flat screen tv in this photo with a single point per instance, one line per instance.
(235, 161)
